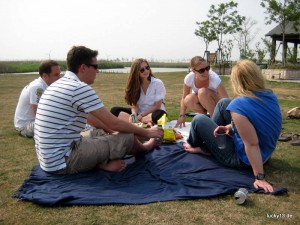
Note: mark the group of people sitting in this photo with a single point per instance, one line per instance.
(56, 110)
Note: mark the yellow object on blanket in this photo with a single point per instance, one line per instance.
(169, 134)
(161, 122)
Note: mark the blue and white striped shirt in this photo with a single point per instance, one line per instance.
(61, 116)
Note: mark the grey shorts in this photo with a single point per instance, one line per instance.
(97, 148)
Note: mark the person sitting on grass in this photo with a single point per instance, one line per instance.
(207, 89)
(144, 93)
(65, 108)
(252, 123)
(49, 71)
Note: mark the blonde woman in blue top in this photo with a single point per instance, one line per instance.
(252, 122)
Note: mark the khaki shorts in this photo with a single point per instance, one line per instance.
(97, 148)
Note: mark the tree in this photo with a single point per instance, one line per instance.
(261, 53)
(227, 49)
(223, 20)
(206, 32)
(282, 12)
(244, 38)
(268, 45)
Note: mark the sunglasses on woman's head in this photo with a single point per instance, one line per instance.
(203, 69)
(142, 70)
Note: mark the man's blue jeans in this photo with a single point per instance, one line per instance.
(201, 135)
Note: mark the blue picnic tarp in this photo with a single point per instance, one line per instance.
(163, 174)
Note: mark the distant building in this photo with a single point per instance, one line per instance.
(292, 35)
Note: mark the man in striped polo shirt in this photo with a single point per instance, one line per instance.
(64, 109)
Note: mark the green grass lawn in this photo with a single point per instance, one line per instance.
(17, 157)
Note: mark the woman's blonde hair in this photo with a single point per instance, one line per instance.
(133, 87)
(246, 78)
(196, 61)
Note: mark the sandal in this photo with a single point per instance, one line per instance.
(285, 137)
(295, 140)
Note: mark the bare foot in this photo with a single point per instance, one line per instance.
(196, 150)
(113, 166)
(152, 143)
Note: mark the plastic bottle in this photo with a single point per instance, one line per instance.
(240, 196)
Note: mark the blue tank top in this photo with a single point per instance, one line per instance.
(265, 116)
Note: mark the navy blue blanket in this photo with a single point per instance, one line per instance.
(164, 174)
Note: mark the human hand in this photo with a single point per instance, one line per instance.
(180, 122)
(263, 184)
(155, 132)
(140, 117)
(221, 129)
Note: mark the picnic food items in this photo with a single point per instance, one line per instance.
(178, 135)
(137, 123)
(143, 125)
(161, 122)
(169, 134)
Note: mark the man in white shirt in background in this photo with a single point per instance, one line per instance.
(49, 71)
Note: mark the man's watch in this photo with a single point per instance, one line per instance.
(260, 176)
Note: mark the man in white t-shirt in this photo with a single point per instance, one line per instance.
(49, 71)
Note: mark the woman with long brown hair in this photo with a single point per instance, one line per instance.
(144, 93)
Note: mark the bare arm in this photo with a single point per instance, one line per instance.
(181, 119)
(250, 140)
(93, 121)
(34, 108)
(186, 90)
(134, 109)
(222, 91)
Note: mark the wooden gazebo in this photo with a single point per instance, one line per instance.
(292, 35)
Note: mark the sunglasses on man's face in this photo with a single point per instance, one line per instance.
(203, 69)
(93, 65)
(142, 70)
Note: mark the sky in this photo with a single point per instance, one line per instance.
(161, 30)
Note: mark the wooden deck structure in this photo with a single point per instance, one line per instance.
(292, 35)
